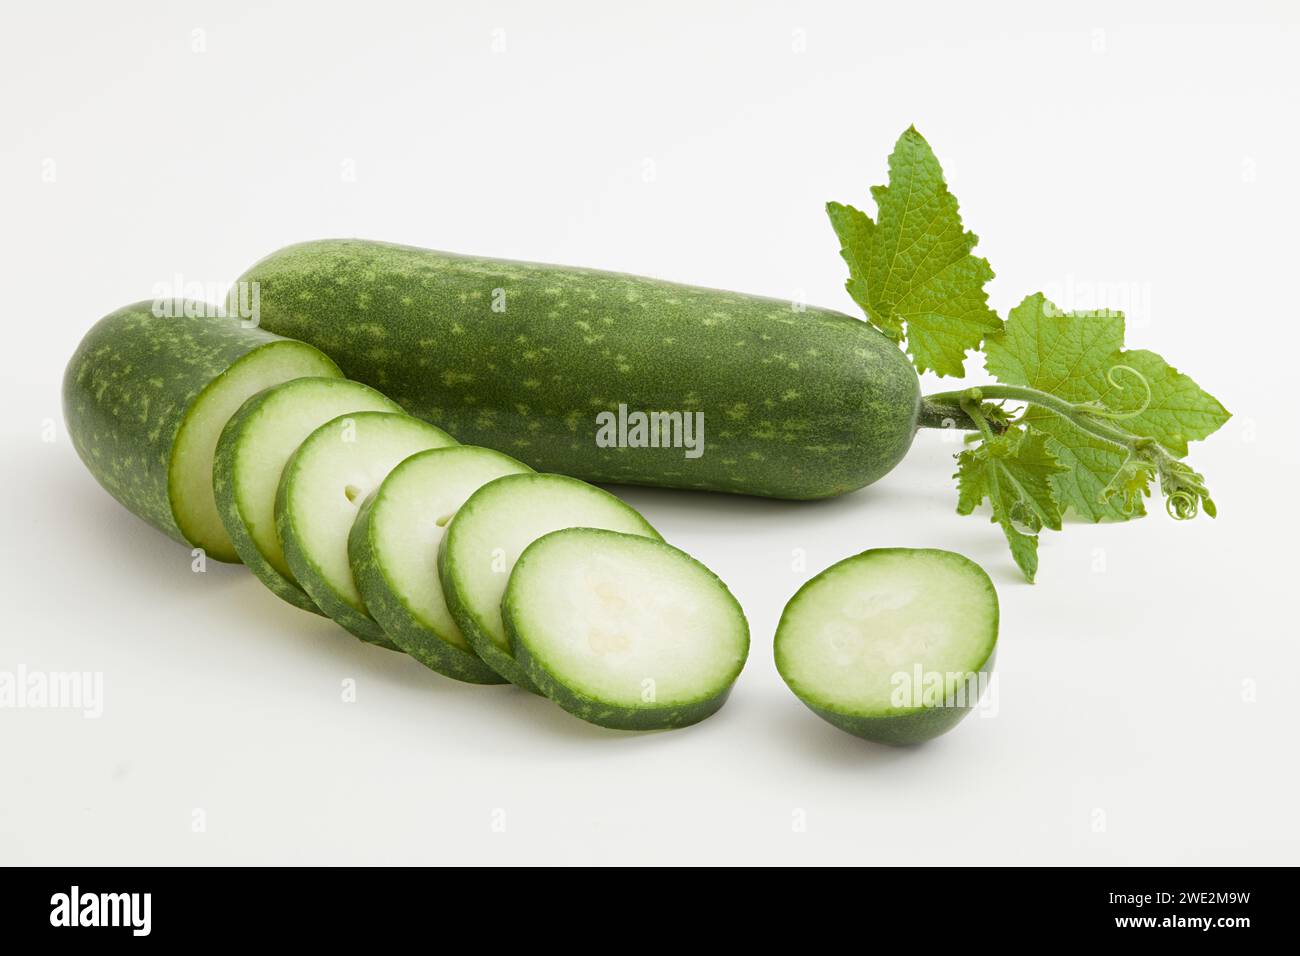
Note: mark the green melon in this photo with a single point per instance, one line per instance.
(145, 397)
(534, 360)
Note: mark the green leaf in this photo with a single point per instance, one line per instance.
(1089, 464)
(855, 229)
(977, 479)
(1080, 357)
(1179, 410)
(972, 480)
(1132, 483)
(911, 270)
(1067, 354)
(1024, 550)
(1014, 472)
(1029, 466)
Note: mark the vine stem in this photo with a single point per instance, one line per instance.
(971, 406)
(945, 414)
(1078, 415)
(1184, 489)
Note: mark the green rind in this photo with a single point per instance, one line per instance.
(600, 712)
(399, 624)
(482, 642)
(906, 730)
(223, 486)
(309, 573)
(903, 728)
(387, 605)
(337, 610)
(127, 391)
(486, 648)
(804, 403)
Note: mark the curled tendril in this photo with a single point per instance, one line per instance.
(1184, 490)
(1099, 410)
(1182, 505)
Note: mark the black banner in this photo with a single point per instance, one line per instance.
(1173, 906)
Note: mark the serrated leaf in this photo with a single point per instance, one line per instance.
(972, 485)
(1014, 472)
(977, 480)
(1079, 356)
(1024, 550)
(1088, 463)
(912, 270)
(1179, 410)
(1065, 354)
(855, 229)
(1029, 466)
(1132, 483)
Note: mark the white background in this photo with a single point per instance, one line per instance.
(1127, 155)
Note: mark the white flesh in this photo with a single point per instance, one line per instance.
(338, 466)
(410, 517)
(190, 471)
(616, 617)
(506, 516)
(267, 439)
(849, 634)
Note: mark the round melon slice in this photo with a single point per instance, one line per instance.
(894, 645)
(251, 454)
(624, 631)
(490, 531)
(320, 492)
(393, 548)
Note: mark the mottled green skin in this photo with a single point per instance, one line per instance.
(804, 404)
(128, 388)
(304, 566)
(223, 470)
(386, 606)
(450, 573)
(905, 727)
(604, 713)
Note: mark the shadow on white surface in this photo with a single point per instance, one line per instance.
(796, 729)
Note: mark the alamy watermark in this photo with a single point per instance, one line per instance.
(22, 689)
(922, 688)
(76, 908)
(637, 429)
(1131, 299)
(179, 298)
